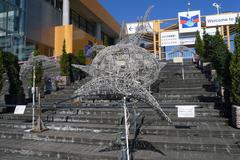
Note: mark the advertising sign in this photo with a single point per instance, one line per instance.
(134, 27)
(221, 19)
(186, 111)
(189, 21)
(170, 38)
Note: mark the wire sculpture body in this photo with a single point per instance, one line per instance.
(124, 69)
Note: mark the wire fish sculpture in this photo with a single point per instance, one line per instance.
(124, 69)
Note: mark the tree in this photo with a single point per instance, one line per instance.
(235, 67)
(64, 62)
(10, 62)
(199, 45)
(221, 59)
(208, 47)
(1, 70)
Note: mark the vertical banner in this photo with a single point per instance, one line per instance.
(189, 21)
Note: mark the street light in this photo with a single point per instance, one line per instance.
(217, 6)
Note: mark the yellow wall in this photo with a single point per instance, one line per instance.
(75, 39)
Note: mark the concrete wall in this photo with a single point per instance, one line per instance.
(41, 18)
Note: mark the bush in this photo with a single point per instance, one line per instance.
(64, 62)
(10, 61)
(235, 67)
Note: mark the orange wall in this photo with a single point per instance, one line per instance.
(75, 39)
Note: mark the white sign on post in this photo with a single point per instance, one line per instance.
(20, 109)
(221, 19)
(132, 28)
(186, 111)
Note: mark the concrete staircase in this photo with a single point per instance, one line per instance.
(82, 131)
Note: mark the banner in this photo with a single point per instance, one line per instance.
(189, 21)
(221, 19)
(173, 38)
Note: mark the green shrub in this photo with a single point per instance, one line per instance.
(64, 62)
(235, 67)
(36, 53)
(10, 62)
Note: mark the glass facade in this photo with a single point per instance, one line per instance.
(12, 37)
(82, 23)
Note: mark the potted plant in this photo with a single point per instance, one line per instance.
(15, 93)
(235, 78)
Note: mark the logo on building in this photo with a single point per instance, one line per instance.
(189, 21)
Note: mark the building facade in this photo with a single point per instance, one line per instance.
(28, 25)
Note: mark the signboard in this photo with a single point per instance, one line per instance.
(134, 27)
(221, 19)
(170, 38)
(189, 21)
(178, 60)
(187, 40)
(20, 109)
(186, 111)
(173, 38)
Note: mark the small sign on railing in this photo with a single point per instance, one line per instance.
(20, 109)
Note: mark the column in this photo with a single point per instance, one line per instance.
(98, 31)
(66, 12)
(228, 38)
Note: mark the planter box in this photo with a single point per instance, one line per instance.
(63, 81)
(236, 116)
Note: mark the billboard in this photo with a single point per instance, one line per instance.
(189, 21)
(173, 38)
(134, 27)
(221, 19)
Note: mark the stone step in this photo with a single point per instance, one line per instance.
(207, 144)
(49, 150)
(116, 120)
(179, 130)
(185, 81)
(119, 111)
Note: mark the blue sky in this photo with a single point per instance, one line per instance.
(129, 10)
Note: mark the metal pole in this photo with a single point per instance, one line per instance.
(183, 76)
(126, 127)
(33, 98)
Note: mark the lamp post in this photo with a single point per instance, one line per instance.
(33, 98)
(217, 6)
